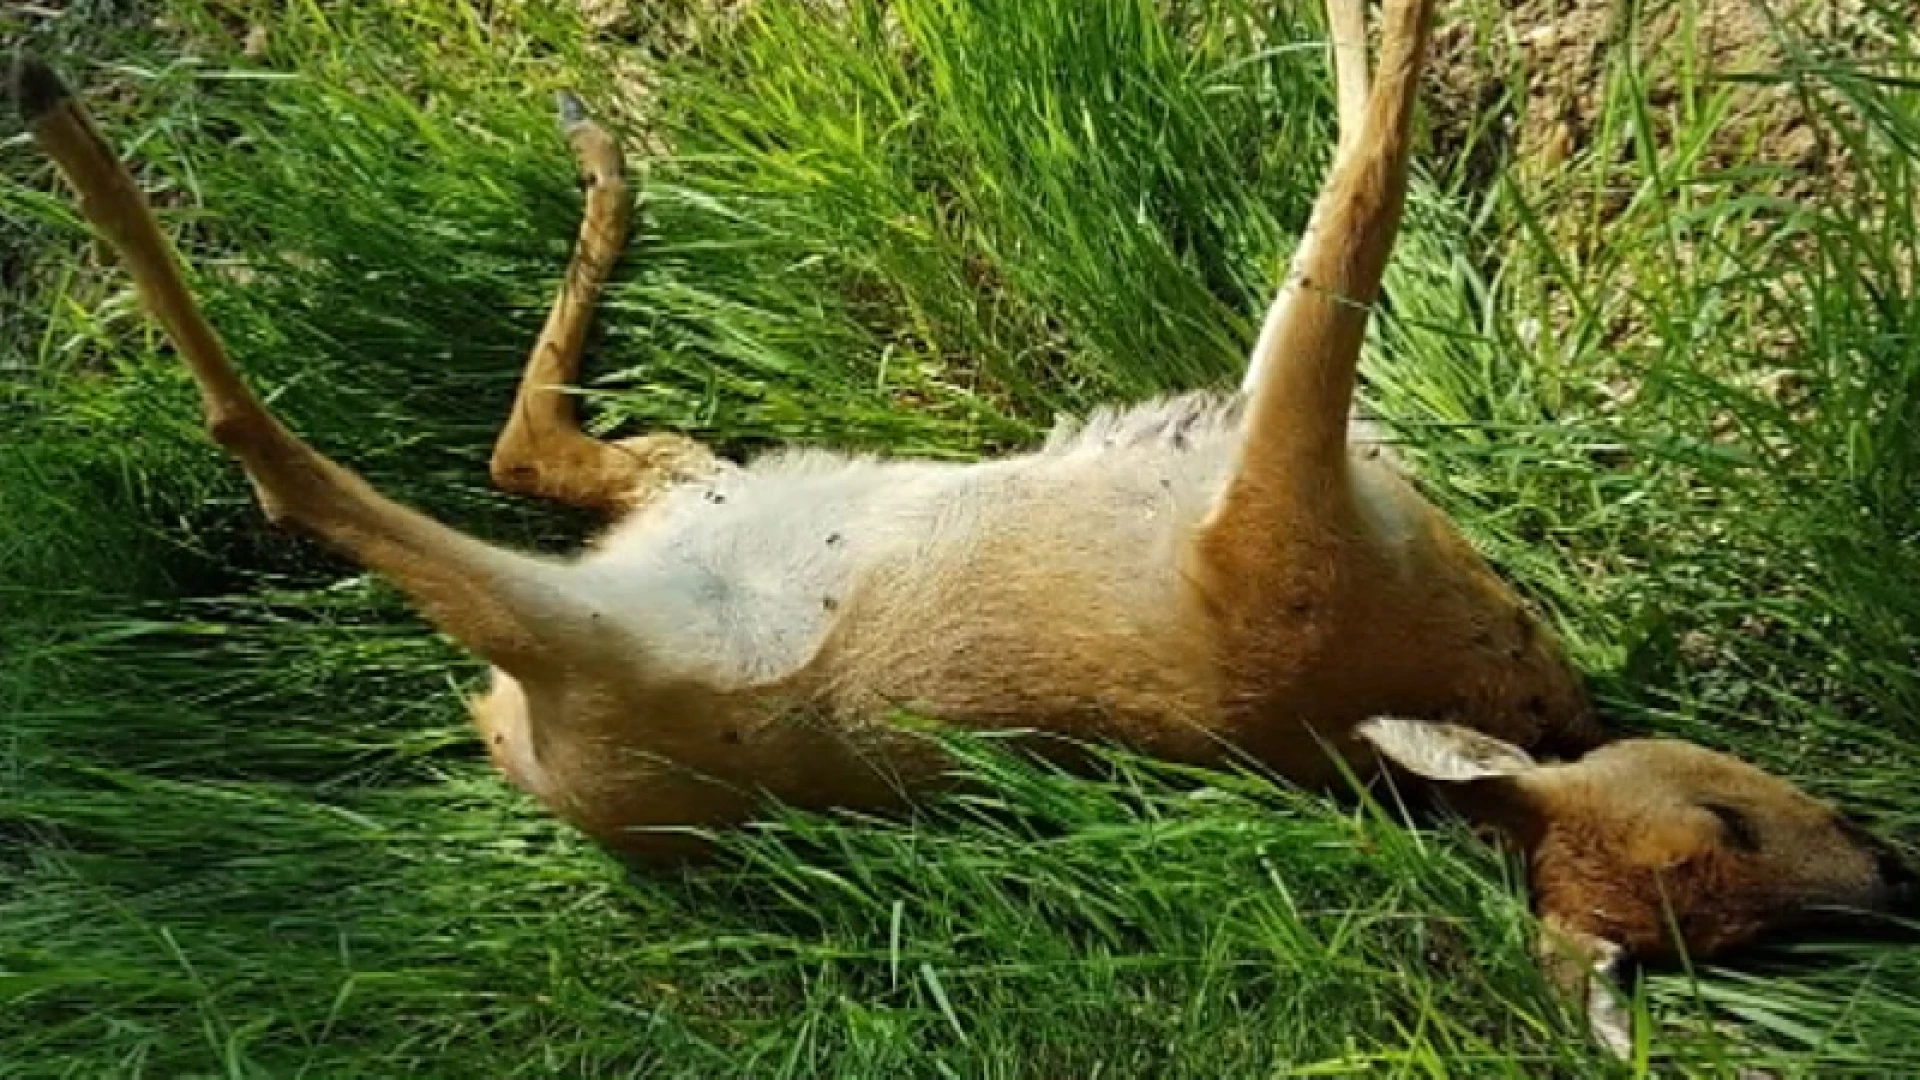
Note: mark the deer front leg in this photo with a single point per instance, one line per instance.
(512, 609)
(1347, 41)
(1300, 379)
(541, 451)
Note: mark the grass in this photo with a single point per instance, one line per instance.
(245, 830)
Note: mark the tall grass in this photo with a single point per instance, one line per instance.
(245, 832)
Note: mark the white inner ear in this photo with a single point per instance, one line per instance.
(1446, 752)
(1587, 967)
(1607, 1015)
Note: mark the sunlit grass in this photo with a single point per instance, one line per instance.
(246, 831)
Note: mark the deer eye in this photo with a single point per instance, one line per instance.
(1741, 832)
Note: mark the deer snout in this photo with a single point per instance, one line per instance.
(1896, 880)
(1900, 880)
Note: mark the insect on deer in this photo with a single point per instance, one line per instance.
(1202, 578)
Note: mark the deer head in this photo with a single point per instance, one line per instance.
(1650, 848)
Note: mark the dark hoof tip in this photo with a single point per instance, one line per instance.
(35, 88)
(572, 113)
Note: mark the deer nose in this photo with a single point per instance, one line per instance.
(1905, 885)
(1900, 880)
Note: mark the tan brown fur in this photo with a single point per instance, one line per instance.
(1657, 844)
(1204, 578)
(1653, 848)
(541, 451)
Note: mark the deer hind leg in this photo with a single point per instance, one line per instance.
(512, 609)
(541, 451)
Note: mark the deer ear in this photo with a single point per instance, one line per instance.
(1444, 752)
(1587, 968)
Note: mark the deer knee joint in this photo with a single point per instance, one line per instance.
(513, 470)
(226, 430)
(609, 184)
(238, 431)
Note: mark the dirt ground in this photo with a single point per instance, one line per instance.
(1557, 56)
(1522, 83)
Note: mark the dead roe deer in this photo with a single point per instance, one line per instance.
(1200, 578)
